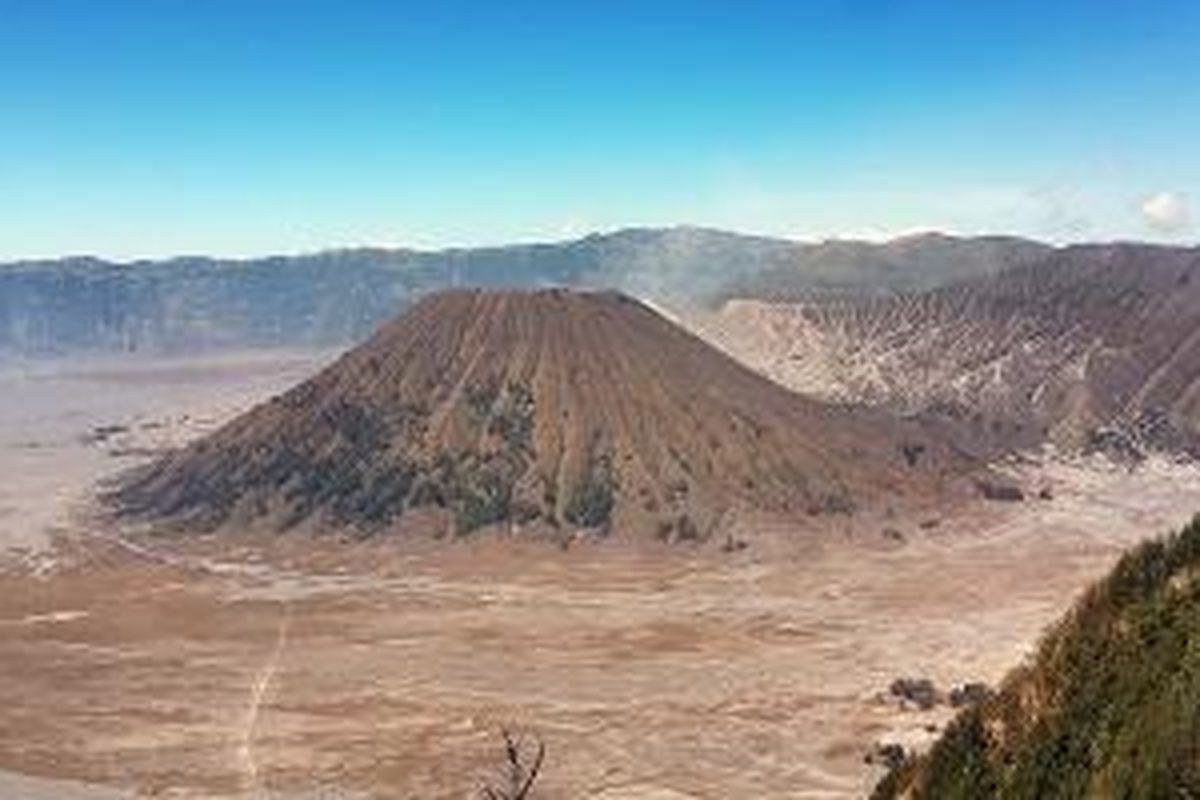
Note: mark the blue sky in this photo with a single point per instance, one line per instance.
(241, 127)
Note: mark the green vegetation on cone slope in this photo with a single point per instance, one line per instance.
(1110, 707)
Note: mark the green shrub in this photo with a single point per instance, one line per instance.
(591, 502)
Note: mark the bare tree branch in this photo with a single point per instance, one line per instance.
(519, 773)
(533, 771)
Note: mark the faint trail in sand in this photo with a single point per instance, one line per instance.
(250, 778)
(251, 781)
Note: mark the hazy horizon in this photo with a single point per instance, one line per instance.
(878, 239)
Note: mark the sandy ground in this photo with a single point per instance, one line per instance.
(245, 667)
(65, 424)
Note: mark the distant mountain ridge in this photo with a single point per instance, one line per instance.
(61, 306)
(909, 263)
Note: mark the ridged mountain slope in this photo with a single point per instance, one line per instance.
(564, 408)
(1092, 346)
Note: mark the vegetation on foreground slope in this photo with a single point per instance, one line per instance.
(1110, 706)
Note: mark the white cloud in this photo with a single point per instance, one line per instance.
(1167, 212)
